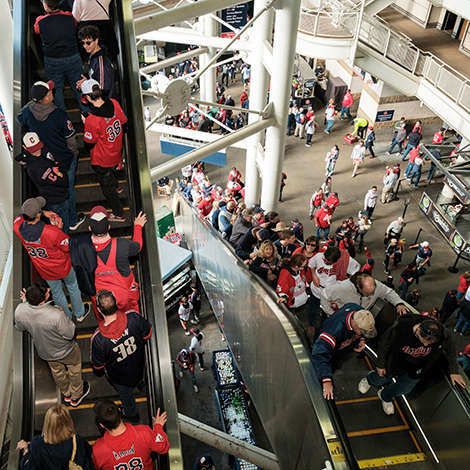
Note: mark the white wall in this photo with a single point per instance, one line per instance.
(417, 10)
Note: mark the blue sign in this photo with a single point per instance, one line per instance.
(383, 116)
(235, 17)
(178, 147)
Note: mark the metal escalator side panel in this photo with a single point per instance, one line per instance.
(140, 187)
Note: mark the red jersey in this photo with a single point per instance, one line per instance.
(106, 134)
(130, 450)
(47, 246)
(437, 138)
(332, 202)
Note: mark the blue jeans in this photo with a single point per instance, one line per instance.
(464, 363)
(409, 167)
(460, 295)
(404, 384)
(75, 295)
(403, 287)
(330, 125)
(326, 232)
(417, 173)
(62, 210)
(462, 321)
(309, 138)
(361, 239)
(313, 307)
(409, 148)
(432, 170)
(394, 143)
(344, 111)
(64, 68)
(330, 167)
(126, 394)
(73, 217)
(191, 372)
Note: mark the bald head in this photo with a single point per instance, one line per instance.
(231, 205)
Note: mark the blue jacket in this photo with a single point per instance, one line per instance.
(336, 338)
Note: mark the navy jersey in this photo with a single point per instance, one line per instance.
(121, 352)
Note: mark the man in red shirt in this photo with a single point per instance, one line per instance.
(205, 206)
(439, 136)
(102, 137)
(48, 248)
(124, 446)
(114, 272)
(348, 101)
(323, 221)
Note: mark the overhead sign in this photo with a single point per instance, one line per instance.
(235, 17)
(384, 116)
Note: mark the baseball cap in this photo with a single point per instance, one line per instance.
(99, 220)
(31, 207)
(366, 322)
(295, 220)
(87, 86)
(31, 142)
(371, 127)
(425, 244)
(195, 331)
(258, 210)
(40, 89)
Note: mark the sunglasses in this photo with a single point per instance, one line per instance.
(88, 43)
(310, 244)
(434, 333)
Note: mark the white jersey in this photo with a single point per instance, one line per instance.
(197, 345)
(184, 312)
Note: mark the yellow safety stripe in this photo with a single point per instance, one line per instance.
(369, 432)
(89, 185)
(394, 460)
(356, 400)
(91, 405)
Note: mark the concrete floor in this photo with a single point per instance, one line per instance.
(305, 170)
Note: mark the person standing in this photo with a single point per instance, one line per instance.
(394, 230)
(417, 168)
(300, 124)
(184, 312)
(424, 254)
(432, 168)
(390, 179)
(58, 32)
(369, 143)
(348, 101)
(330, 114)
(57, 133)
(197, 346)
(195, 299)
(204, 462)
(331, 159)
(407, 277)
(316, 202)
(413, 141)
(186, 360)
(298, 229)
(398, 139)
(323, 221)
(225, 71)
(357, 156)
(310, 130)
(133, 445)
(104, 129)
(54, 337)
(370, 201)
(48, 248)
(283, 185)
(118, 348)
(407, 350)
(392, 252)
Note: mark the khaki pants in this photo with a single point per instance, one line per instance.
(386, 193)
(71, 384)
(299, 130)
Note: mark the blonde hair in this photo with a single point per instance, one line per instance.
(263, 246)
(58, 425)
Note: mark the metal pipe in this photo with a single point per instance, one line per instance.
(208, 80)
(174, 60)
(175, 164)
(159, 20)
(233, 108)
(226, 443)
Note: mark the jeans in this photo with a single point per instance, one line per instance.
(62, 210)
(371, 150)
(64, 68)
(330, 125)
(408, 169)
(326, 232)
(369, 211)
(330, 167)
(201, 361)
(464, 363)
(309, 138)
(126, 394)
(345, 110)
(361, 240)
(464, 323)
(394, 143)
(408, 150)
(191, 372)
(75, 295)
(403, 287)
(109, 183)
(460, 295)
(225, 77)
(417, 173)
(432, 170)
(73, 216)
(403, 384)
(313, 307)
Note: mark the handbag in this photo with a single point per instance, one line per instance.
(72, 464)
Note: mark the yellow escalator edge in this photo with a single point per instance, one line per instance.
(394, 460)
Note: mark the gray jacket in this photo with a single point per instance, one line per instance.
(52, 331)
(343, 292)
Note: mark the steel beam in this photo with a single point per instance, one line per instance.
(174, 60)
(222, 441)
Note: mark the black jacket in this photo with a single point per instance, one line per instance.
(84, 262)
(49, 175)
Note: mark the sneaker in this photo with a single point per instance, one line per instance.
(194, 322)
(86, 391)
(455, 330)
(197, 320)
(388, 153)
(187, 333)
(307, 145)
(363, 386)
(87, 311)
(387, 406)
(202, 368)
(416, 187)
(67, 399)
(131, 419)
(195, 388)
(119, 190)
(81, 219)
(181, 373)
(115, 218)
(223, 338)
(327, 132)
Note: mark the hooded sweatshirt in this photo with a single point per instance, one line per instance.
(49, 175)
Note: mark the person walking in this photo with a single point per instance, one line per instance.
(300, 124)
(323, 221)
(357, 156)
(330, 114)
(407, 277)
(390, 179)
(197, 346)
(370, 201)
(186, 360)
(316, 202)
(394, 230)
(331, 159)
(413, 141)
(369, 143)
(348, 101)
(398, 139)
(417, 168)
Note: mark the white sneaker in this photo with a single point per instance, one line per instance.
(387, 406)
(181, 373)
(194, 322)
(187, 333)
(197, 390)
(363, 386)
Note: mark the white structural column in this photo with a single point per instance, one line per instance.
(208, 77)
(261, 31)
(287, 20)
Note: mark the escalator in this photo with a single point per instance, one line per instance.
(34, 390)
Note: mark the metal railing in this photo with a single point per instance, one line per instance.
(336, 23)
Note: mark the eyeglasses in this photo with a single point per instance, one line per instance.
(88, 43)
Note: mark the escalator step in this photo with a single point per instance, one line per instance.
(418, 459)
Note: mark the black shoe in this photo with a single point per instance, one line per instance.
(131, 419)
(81, 219)
(86, 391)
(87, 311)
